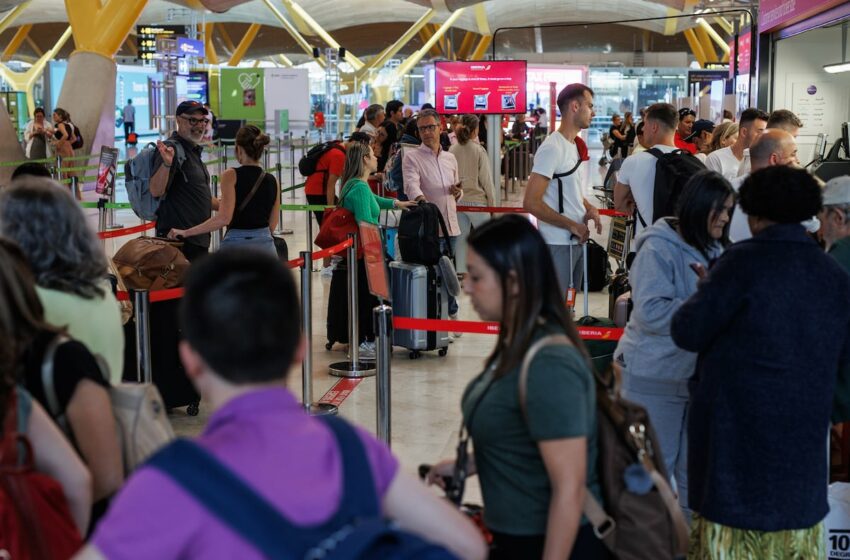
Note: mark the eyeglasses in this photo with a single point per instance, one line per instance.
(427, 128)
(194, 122)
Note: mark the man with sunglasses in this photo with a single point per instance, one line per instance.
(182, 181)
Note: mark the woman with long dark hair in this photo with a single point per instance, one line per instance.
(535, 459)
(664, 274)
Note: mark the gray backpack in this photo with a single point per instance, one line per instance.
(140, 415)
(137, 177)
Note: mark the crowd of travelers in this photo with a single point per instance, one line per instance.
(737, 347)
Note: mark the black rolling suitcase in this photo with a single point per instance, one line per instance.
(168, 373)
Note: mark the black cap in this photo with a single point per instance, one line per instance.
(191, 107)
(684, 112)
(702, 125)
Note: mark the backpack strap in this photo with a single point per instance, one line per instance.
(445, 231)
(230, 499)
(48, 381)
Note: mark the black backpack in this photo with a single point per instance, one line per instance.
(598, 267)
(672, 171)
(419, 234)
(78, 141)
(307, 165)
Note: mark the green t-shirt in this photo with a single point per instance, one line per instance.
(362, 202)
(561, 403)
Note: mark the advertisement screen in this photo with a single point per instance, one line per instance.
(486, 87)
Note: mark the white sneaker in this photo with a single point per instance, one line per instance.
(368, 351)
(456, 334)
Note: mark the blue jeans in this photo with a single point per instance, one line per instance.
(467, 221)
(453, 306)
(260, 239)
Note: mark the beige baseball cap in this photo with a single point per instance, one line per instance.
(837, 191)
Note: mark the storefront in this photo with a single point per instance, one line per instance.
(800, 45)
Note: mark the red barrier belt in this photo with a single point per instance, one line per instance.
(519, 210)
(295, 263)
(126, 231)
(338, 248)
(480, 327)
(340, 391)
(157, 295)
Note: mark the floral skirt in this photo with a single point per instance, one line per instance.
(711, 541)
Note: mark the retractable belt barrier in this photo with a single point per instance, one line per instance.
(126, 231)
(520, 210)
(484, 327)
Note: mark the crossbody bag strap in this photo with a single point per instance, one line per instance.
(252, 192)
(48, 380)
(557, 177)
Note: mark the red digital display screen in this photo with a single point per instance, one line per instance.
(373, 253)
(484, 88)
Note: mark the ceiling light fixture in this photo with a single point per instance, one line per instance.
(842, 66)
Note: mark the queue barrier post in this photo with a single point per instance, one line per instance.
(215, 242)
(313, 408)
(141, 308)
(354, 367)
(292, 165)
(584, 279)
(279, 172)
(383, 317)
(101, 218)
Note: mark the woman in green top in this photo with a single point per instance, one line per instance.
(356, 196)
(534, 468)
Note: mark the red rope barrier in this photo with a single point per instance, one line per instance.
(520, 210)
(482, 327)
(338, 248)
(157, 295)
(126, 231)
(295, 263)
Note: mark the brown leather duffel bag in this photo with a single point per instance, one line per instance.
(148, 263)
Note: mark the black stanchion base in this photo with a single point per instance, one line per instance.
(322, 409)
(352, 369)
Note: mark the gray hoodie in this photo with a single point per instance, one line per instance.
(661, 279)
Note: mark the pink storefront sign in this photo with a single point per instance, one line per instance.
(776, 14)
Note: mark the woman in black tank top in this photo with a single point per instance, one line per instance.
(249, 198)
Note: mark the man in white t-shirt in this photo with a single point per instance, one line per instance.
(563, 221)
(774, 147)
(633, 193)
(782, 119)
(727, 161)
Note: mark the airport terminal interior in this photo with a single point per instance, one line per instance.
(117, 76)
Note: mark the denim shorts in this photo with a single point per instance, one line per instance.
(260, 239)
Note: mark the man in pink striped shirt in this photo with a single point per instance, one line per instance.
(430, 174)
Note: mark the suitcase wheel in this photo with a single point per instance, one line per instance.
(192, 409)
(443, 351)
(414, 354)
(329, 345)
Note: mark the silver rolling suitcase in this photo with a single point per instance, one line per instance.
(419, 293)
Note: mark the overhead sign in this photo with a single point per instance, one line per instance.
(706, 76)
(190, 47)
(778, 14)
(742, 53)
(146, 36)
(486, 87)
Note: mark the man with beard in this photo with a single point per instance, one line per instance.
(181, 179)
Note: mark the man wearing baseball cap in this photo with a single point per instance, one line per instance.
(835, 219)
(684, 129)
(182, 181)
(701, 134)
